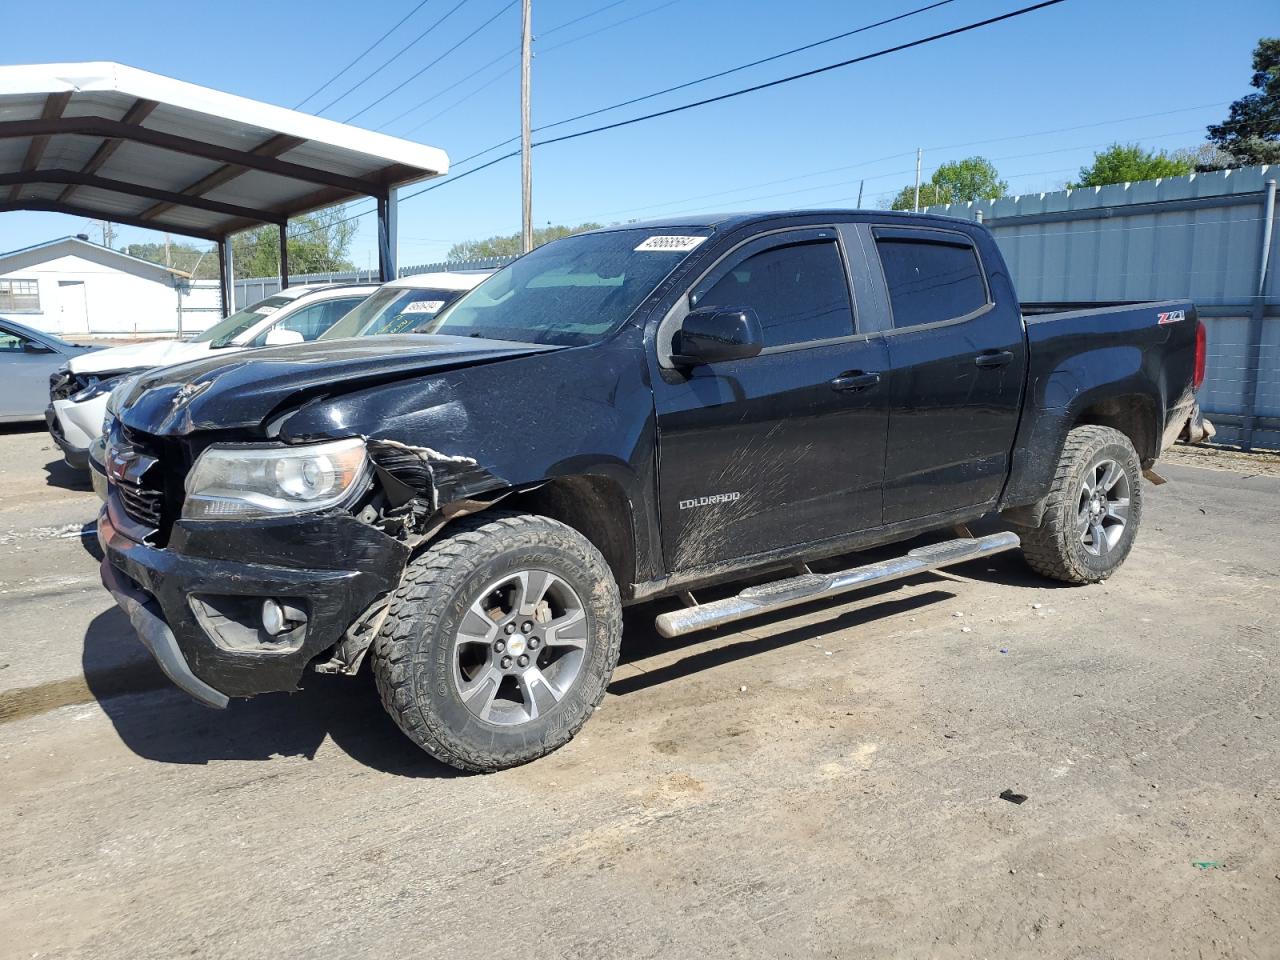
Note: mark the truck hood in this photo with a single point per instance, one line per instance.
(140, 356)
(245, 390)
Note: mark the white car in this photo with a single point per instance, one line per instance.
(407, 304)
(78, 392)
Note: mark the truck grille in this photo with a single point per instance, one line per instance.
(141, 504)
(135, 469)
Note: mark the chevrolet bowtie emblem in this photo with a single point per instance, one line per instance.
(186, 392)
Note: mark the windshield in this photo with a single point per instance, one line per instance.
(223, 334)
(393, 310)
(568, 292)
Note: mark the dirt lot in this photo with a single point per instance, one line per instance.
(824, 786)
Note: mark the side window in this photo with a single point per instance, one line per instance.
(316, 319)
(11, 342)
(930, 281)
(799, 292)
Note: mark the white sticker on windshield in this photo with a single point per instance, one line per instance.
(669, 244)
(266, 311)
(423, 306)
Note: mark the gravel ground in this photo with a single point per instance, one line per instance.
(827, 785)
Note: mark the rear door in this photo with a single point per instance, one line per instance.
(958, 360)
(786, 447)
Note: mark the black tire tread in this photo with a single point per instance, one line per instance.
(1047, 548)
(418, 602)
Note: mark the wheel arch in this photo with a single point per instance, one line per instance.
(596, 507)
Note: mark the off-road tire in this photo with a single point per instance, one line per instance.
(1054, 549)
(412, 656)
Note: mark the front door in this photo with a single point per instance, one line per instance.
(786, 447)
(25, 365)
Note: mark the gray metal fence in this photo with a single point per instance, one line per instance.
(1205, 237)
(253, 289)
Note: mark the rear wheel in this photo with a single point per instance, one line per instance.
(1093, 509)
(499, 642)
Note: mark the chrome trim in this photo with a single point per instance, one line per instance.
(814, 586)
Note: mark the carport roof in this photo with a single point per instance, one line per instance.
(110, 142)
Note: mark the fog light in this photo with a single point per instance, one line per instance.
(278, 618)
(272, 618)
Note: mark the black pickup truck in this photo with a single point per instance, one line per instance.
(638, 412)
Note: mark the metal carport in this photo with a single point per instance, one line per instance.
(110, 142)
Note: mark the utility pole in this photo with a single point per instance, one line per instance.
(168, 258)
(526, 149)
(916, 206)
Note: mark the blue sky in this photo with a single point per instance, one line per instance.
(1011, 92)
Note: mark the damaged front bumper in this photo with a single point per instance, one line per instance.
(197, 603)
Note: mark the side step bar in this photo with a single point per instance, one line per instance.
(813, 586)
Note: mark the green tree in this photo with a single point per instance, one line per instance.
(201, 264)
(319, 242)
(1251, 132)
(974, 178)
(509, 245)
(1129, 162)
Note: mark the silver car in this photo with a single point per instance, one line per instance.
(27, 359)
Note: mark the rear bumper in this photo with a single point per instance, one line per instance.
(196, 603)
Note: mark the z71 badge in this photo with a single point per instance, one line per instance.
(1173, 316)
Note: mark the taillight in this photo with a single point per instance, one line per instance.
(1197, 378)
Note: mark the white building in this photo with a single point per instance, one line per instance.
(72, 287)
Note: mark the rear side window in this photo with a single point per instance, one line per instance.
(313, 320)
(799, 292)
(931, 281)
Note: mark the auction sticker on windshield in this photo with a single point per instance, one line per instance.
(423, 306)
(669, 244)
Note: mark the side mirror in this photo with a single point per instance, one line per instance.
(279, 337)
(30, 346)
(714, 334)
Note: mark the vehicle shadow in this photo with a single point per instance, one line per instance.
(642, 642)
(58, 474)
(158, 722)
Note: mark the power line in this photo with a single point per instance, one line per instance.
(607, 26)
(514, 50)
(868, 163)
(399, 23)
(805, 74)
(586, 16)
(391, 59)
(461, 100)
(752, 89)
(879, 176)
(403, 83)
(453, 86)
(747, 66)
(816, 173)
(783, 80)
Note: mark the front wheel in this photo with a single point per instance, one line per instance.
(1093, 509)
(499, 642)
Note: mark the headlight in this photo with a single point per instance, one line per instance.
(96, 386)
(233, 482)
(115, 402)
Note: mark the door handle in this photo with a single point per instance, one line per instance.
(854, 380)
(993, 358)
